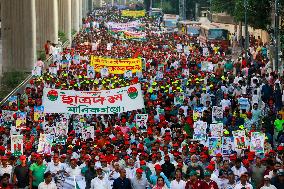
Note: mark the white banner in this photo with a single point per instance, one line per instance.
(93, 102)
(115, 25)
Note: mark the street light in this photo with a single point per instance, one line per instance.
(276, 34)
(246, 31)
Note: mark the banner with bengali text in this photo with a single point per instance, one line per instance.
(134, 14)
(93, 102)
(116, 66)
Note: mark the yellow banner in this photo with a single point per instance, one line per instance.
(134, 14)
(116, 66)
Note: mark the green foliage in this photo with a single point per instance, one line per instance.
(41, 54)
(62, 37)
(258, 12)
(10, 81)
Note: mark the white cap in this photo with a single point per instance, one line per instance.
(267, 177)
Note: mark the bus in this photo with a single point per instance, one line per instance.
(191, 28)
(214, 34)
(170, 22)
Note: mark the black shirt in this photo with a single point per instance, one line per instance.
(122, 183)
(22, 175)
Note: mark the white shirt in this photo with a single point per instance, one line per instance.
(7, 169)
(74, 172)
(178, 185)
(239, 171)
(53, 168)
(43, 185)
(97, 183)
(240, 186)
(225, 103)
(269, 187)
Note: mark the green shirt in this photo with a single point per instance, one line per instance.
(278, 125)
(38, 173)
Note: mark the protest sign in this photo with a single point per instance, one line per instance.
(12, 100)
(17, 145)
(116, 66)
(49, 129)
(134, 35)
(93, 102)
(216, 129)
(205, 51)
(21, 120)
(215, 145)
(88, 132)
(200, 127)
(53, 70)
(207, 66)
(244, 103)
(178, 99)
(45, 143)
(141, 121)
(257, 142)
(159, 75)
(104, 72)
(90, 71)
(37, 71)
(128, 74)
(200, 136)
(133, 13)
(197, 113)
(227, 145)
(217, 114)
(239, 139)
(38, 113)
(61, 131)
(123, 26)
(8, 117)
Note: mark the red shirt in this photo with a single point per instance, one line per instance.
(211, 185)
(195, 185)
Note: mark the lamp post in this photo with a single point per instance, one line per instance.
(246, 31)
(276, 36)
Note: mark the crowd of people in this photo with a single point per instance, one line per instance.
(169, 154)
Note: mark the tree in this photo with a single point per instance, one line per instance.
(258, 12)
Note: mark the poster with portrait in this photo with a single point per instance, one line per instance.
(200, 127)
(216, 129)
(197, 113)
(17, 142)
(178, 99)
(215, 145)
(141, 121)
(159, 75)
(45, 144)
(127, 74)
(50, 129)
(12, 100)
(227, 145)
(90, 71)
(104, 72)
(53, 70)
(8, 117)
(257, 142)
(88, 132)
(21, 120)
(61, 131)
(239, 139)
(37, 71)
(199, 136)
(39, 113)
(217, 114)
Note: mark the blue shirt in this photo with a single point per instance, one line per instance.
(154, 178)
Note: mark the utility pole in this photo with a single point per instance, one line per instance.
(246, 31)
(151, 6)
(276, 36)
(182, 9)
(210, 17)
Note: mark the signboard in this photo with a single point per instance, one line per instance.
(93, 102)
